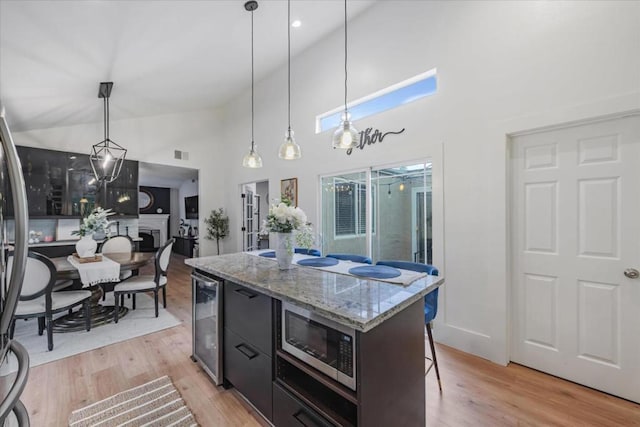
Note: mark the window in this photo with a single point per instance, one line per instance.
(393, 96)
(399, 225)
(351, 208)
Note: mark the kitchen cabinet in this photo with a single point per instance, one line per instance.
(248, 344)
(184, 245)
(288, 391)
(61, 184)
(57, 183)
(288, 411)
(121, 195)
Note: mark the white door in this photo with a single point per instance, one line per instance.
(575, 230)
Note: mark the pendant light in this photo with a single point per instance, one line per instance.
(106, 157)
(346, 136)
(289, 150)
(252, 159)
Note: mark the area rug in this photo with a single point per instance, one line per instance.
(156, 403)
(135, 323)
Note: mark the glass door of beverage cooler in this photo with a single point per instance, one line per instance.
(207, 325)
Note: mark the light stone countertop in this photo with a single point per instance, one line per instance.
(355, 302)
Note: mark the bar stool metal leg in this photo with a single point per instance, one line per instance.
(433, 355)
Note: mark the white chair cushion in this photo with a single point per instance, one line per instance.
(125, 274)
(139, 283)
(116, 244)
(59, 300)
(62, 284)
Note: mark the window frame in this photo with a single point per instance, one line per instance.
(427, 75)
(361, 201)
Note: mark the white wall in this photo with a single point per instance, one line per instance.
(153, 140)
(502, 67)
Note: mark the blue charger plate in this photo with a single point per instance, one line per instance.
(375, 271)
(318, 262)
(270, 254)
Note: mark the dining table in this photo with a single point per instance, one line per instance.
(100, 313)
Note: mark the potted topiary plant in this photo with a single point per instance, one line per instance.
(217, 226)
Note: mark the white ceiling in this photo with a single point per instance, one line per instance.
(163, 56)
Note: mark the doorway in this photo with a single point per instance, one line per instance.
(575, 228)
(255, 206)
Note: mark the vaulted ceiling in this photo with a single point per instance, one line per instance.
(163, 56)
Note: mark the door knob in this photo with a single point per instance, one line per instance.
(632, 273)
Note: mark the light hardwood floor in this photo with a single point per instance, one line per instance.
(475, 392)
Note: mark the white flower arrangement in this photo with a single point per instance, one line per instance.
(283, 218)
(96, 222)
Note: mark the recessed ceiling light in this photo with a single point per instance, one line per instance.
(72, 157)
(297, 23)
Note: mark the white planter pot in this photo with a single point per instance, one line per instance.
(86, 247)
(283, 243)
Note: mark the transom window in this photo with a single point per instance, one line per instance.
(407, 91)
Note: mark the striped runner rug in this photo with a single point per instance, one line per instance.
(156, 403)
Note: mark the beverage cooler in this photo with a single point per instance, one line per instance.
(207, 324)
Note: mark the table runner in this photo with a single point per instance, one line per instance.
(92, 273)
(406, 276)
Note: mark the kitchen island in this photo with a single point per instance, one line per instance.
(388, 324)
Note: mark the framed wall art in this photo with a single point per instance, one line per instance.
(289, 190)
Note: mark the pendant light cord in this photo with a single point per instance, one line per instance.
(252, 140)
(345, 57)
(289, 62)
(106, 119)
(105, 116)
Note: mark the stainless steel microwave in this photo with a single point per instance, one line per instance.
(322, 343)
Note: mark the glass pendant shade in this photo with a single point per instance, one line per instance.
(289, 150)
(252, 159)
(346, 136)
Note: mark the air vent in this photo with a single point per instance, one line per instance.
(180, 155)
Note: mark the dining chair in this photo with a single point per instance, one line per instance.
(305, 251)
(147, 283)
(351, 257)
(430, 305)
(116, 244)
(37, 298)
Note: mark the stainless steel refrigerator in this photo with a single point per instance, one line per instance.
(13, 376)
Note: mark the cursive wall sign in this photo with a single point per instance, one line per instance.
(369, 137)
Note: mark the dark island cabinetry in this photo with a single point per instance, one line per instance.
(318, 348)
(61, 184)
(289, 392)
(248, 345)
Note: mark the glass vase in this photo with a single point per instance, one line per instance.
(283, 243)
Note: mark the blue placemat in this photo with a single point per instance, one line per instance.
(375, 271)
(318, 262)
(270, 254)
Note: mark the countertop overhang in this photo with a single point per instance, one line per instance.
(355, 302)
